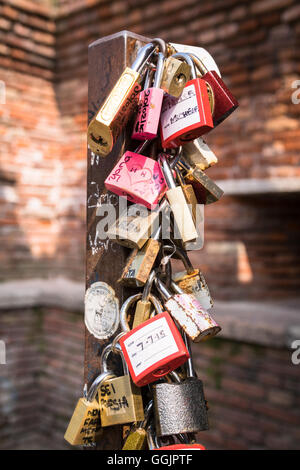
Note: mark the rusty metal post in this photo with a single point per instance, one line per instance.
(108, 57)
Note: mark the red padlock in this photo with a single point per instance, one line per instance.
(182, 447)
(138, 178)
(224, 101)
(189, 116)
(150, 102)
(153, 349)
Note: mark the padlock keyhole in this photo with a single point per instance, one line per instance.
(99, 141)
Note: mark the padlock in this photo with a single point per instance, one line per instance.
(206, 190)
(143, 306)
(196, 322)
(198, 154)
(175, 76)
(120, 400)
(189, 194)
(137, 178)
(224, 101)
(149, 107)
(154, 348)
(191, 280)
(180, 406)
(85, 426)
(186, 447)
(134, 226)
(115, 112)
(137, 438)
(177, 201)
(188, 117)
(140, 262)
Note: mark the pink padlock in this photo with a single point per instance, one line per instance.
(138, 178)
(150, 103)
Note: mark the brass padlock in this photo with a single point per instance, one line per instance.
(175, 76)
(198, 154)
(85, 427)
(191, 280)
(115, 112)
(206, 190)
(120, 399)
(140, 262)
(134, 230)
(143, 306)
(137, 438)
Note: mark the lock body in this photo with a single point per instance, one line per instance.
(140, 263)
(192, 317)
(148, 115)
(225, 102)
(179, 407)
(206, 190)
(175, 76)
(153, 349)
(182, 447)
(85, 425)
(120, 402)
(198, 154)
(113, 115)
(138, 178)
(131, 230)
(188, 117)
(136, 440)
(194, 283)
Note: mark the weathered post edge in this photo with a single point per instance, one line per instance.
(107, 58)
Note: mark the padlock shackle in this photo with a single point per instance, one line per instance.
(106, 352)
(188, 59)
(127, 304)
(159, 70)
(146, 52)
(156, 235)
(142, 146)
(183, 256)
(199, 64)
(189, 363)
(148, 286)
(148, 413)
(166, 169)
(107, 375)
(147, 79)
(161, 287)
(175, 158)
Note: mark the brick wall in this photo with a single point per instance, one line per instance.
(251, 250)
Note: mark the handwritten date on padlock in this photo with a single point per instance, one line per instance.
(137, 178)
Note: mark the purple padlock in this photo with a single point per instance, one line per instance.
(150, 103)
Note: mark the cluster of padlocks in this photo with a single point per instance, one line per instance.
(159, 396)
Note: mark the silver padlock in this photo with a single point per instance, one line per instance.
(180, 407)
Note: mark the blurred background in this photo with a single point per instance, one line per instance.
(251, 254)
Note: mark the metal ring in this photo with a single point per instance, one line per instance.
(116, 340)
(98, 382)
(123, 312)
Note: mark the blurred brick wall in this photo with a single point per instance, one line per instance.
(251, 249)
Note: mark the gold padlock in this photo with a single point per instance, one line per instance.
(175, 76)
(206, 190)
(143, 306)
(134, 230)
(115, 112)
(191, 280)
(120, 399)
(85, 427)
(198, 154)
(140, 262)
